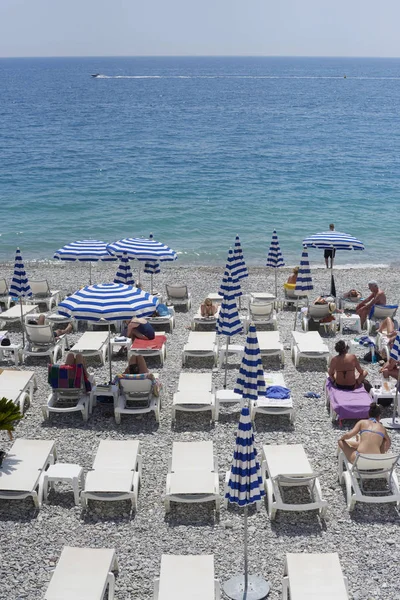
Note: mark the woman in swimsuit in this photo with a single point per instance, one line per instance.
(342, 368)
(370, 436)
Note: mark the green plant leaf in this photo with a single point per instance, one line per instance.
(9, 413)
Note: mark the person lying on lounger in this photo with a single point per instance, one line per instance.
(136, 365)
(208, 309)
(78, 359)
(41, 320)
(370, 437)
(388, 331)
(353, 295)
(390, 369)
(377, 296)
(343, 367)
(141, 329)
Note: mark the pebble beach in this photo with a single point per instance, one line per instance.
(31, 541)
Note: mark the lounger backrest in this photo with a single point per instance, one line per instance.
(40, 287)
(195, 382)
(177, 292)
(136, 387)
(3, 287)
(192, 456)
(67, 381)
(40, 334)
(318, 311)
(381, 312)
(116, 454)
(373, 462)
(261, 309)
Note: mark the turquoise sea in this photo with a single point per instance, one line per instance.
(196, 150)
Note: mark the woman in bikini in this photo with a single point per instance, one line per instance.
(343, 367)
(370, 437)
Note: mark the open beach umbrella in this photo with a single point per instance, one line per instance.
(151, 267)
(228, 322)
(235, 288)
(275, 258)
(108, 302)
(394, 422)
(85, 251)
(245, 487)
(124, 273)
(238, 267)
(20, 287)
(304, 281)
(143, 250)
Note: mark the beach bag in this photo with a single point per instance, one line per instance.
(162, 310)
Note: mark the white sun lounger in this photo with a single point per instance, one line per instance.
(318, 312)
(200, 344)
(92, 343)
(178, 295)
(18, 386)
(197, 319)
(13, 314)
(83, 574)
(135, 397)
(270, 344)
(192, 474)
(22, 469)
(5, 298)
(184, 577)
(367, 467)
(67, 400)
(288, 466)
(308, 345)
(272, 406)
(195, 394)
(116, 474)
(165, 321)
(314, 577)
(261, 313)
(41, 293)
(41, 342)
(227, 397)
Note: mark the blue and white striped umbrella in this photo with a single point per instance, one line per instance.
(275, 258)
(151, 267)
(85, 251)
(142, 249)
(108, 301)
(238, 267)
(304, 280)
(250, 383)
(395, 351)
(19, 287)
(234, 288)
(124, 273)
(228, 322)
(333, 239)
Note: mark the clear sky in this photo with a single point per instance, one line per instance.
(202, 27)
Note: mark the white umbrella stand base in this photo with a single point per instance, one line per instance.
(390, 424)
(257, 588)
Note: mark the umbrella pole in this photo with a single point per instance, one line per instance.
(109, 350)
(90, 273)
(276, 284)
(246, 566)
(295, 315)
(226, 361)
(22, 323)
(151, 284)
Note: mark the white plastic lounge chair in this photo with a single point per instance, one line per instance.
(270, 344)
(291, 298)
(22, 469)
(184, 577)
(40, 341)
(18, 386)
(13, 314)
(92, 343)
(4, 296)
(195, 394)
(314, 577)
(160, 351)
(199, 345)
(288, 466)
(67, 400)
(261, 313)
(197, 319)
(308, 345)
(116, 474)
(318, 312)
(272, 406)
(83, 573)
(380, 313)
(165, 321)
(135, 397)
(223, 352)
(227, 397)
(42, 294)
(367, 467)
(178, 295)
(192, 474)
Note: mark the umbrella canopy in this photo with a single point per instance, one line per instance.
(228, 322)
(108, 301)
(20, 287)
(245, 484)
(85, 251)
(304, 280)
(238, 267)
(124, 273)
(250, 383)
(142, 249)
(333, 239)
(235, 288)
(275, 257)
(152, 268)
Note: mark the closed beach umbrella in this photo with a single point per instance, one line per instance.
(124, 273)
(394, 422)
(304, 283)
(234, 287)
(250, 383)
(238, 267)
(85, 251)
(275, 258)
(108, 302)
(245, 487)
(228, 322)
(20, 287)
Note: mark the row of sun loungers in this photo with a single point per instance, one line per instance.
(41, 293)
(193, 475)
(89, 573)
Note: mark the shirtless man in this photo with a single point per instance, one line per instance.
(377, 296)
(343, 367)
(370, 437)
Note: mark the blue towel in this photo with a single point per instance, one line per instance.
(312, 395)
(278, 392)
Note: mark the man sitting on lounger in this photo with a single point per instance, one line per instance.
(370, 437)
(41, 320)
(377, 296)
(343, 367)
(141, 329)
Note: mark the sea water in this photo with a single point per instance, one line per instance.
(197, 150)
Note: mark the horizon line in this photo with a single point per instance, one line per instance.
(201, 56)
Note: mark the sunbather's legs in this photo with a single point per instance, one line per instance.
(80, 360)
(348, 451)
(386, 326)
(65, 331)
(363, 313)
(41, 320)
(138, 360)
(70, 359)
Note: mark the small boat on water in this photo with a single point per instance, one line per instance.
(95, 75)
